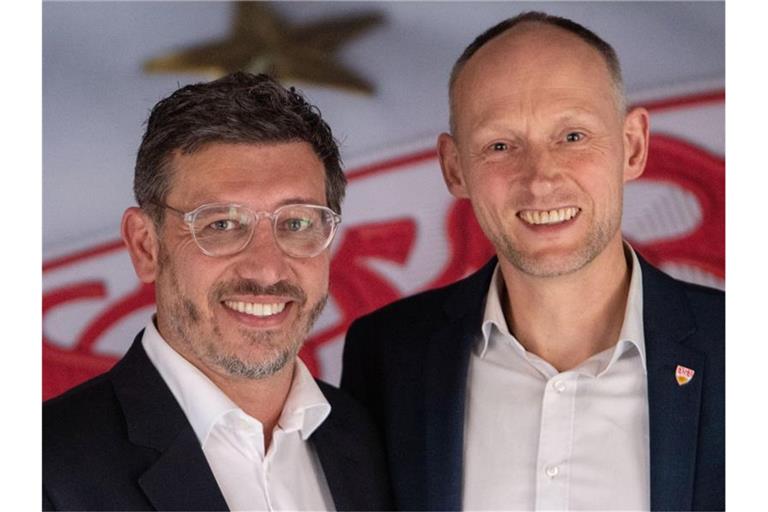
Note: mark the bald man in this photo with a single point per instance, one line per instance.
(567, 373)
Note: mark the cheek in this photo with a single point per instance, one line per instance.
(489, 185)
(313, 276)
(598, 174)
(188, 247)
(591, 161)
(496, 203)
(196, 274)
(580, 161)
(607, 193)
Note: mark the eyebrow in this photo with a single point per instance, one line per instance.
(558, 115)
(301, 200)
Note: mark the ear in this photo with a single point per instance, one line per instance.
(139, 236)
(450, 165)
(636, 141)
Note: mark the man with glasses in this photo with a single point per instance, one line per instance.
(239, 187)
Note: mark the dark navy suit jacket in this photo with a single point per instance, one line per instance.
(121, 442)
(408, 363)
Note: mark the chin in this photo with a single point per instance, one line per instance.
(549, 264)
(240, 367)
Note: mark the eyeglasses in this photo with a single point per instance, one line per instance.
(300, 230)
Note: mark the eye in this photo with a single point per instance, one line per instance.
(574, 137)
(499, 146)
(224, 225)
(296, 224)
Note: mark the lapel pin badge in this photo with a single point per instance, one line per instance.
(683, 375)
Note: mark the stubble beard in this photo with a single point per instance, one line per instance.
(280, 354)
(595, 243)
(273, 352)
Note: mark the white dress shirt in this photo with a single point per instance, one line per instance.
(288, 476)
(539, 439)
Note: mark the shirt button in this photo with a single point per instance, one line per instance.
(560, 386)
(552, 471)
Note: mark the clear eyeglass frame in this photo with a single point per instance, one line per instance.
(251, 219)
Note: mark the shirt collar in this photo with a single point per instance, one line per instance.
(632, 332)
(306, 408)
(205, 404)
(493, 316)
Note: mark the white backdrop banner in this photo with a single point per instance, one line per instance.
(402, 232)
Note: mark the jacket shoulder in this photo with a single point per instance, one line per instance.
(410, 309)
(666, 295)
(345, 407)
(88, 460)
(83, 429)
(423, 309)
(705, 299)
(706, 304)
(74, 416)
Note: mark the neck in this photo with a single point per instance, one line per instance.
(567, 319)
(262, 399)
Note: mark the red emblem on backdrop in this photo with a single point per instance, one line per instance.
(674, 161)
(357, 287)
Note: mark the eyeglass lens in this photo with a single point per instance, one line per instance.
(300, 230)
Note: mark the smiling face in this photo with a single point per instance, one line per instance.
(542, 150)
(244, 315)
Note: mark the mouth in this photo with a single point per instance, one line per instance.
(548, 217)
(256, 309)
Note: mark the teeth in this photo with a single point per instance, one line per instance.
(255, 308)
(548, 216)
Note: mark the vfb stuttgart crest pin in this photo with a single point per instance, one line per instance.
(683, 375)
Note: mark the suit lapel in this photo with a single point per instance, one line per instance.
(673, 408)
(341, 456)
(339, 466)
(445, 387)
(180, 478)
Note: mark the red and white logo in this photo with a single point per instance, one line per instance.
(683, 375)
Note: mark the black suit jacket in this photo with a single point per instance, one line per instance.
(121, 442)
(408, 363)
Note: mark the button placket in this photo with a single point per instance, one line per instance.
(555, 442)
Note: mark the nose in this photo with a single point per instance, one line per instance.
(262, 259)
(541, 172)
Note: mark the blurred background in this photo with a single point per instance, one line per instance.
(378, 72)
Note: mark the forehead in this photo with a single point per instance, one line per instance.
(258, 175)
(536, 64)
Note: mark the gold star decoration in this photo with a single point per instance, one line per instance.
(261, 42)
